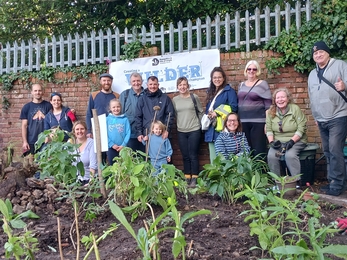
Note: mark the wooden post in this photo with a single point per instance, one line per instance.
(98, 151)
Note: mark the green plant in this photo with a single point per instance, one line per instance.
(133, 184)
(6, 104)
(46, 74)
(58, 158)
(90, 242)
(147, 239)
(225, 177)
(132, 50)
(21, 244)
(328, 23)
(281, 224)
(179, 241)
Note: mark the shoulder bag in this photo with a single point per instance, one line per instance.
(321, 77)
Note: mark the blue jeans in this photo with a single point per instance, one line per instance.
(333, 134)
(189, 144)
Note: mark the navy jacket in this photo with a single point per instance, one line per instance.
(227, 97)
(64, 122)
(145, 112)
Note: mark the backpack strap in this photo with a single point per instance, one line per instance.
(126, 95)
(195, 105)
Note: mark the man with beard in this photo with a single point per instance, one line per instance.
(99, 100)
(32, 116)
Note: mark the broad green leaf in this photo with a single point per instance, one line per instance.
(118, 213)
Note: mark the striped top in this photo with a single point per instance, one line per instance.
(229, 143)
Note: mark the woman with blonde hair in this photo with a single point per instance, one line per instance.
(254, 97)
(286, 132)
(86, 151)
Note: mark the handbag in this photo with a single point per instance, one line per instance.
(205, 122)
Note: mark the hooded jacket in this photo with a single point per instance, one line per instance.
(118, 130)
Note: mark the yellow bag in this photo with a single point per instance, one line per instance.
(222, 111)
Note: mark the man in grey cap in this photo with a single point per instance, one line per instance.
(327, 91)
(100, 100)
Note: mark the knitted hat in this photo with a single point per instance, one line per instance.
(320, 46)
(106, 75)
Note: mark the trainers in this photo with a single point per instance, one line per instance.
(325, 188)
(334, 192)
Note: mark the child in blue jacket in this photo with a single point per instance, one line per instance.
(118, 130)
(159, 149)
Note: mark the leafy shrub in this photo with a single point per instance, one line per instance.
(58, 158)
(133, 183)
(225, 177)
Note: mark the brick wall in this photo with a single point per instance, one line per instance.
(76, 94)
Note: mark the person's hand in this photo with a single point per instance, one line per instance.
(25, 147)
(340, 85)
(212, 114)
(168, 159)
(90, 135)
(140, 138)
(119, 148)
(289, 144)
(145, 138)
(275, 144)
(342, 224)
(165, 135)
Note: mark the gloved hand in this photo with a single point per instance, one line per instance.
(289, 144)
(275, 144)
(342, 224)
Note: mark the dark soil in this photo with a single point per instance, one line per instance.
(221, 235)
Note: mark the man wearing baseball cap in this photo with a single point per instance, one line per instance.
(100, 100)
(327, 91)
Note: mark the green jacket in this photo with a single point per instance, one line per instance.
(293, 122)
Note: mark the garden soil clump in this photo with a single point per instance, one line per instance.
(221, 235)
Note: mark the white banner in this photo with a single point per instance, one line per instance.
(196, 66)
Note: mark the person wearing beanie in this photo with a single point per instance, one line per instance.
(326, 88)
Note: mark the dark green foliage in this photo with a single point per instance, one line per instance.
(329, 21)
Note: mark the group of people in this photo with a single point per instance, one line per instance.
(250, 121)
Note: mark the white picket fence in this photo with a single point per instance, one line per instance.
(95, 48)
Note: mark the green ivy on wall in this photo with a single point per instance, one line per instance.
(47, 74)
(328, 23)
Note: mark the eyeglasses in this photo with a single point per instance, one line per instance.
(252, 69)
(280, 126)
(56, 94)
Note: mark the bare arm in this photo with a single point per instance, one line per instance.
(25, 145)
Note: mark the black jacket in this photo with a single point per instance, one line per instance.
(145, 111)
